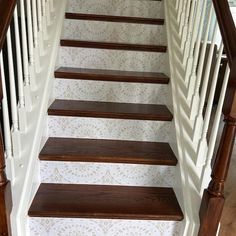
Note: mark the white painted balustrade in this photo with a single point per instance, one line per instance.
(199, 74)
(19, 64)
(26, 68)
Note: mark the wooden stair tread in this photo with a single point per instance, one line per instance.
(105, 202)
(113, 18)
(108, 151)
(111, 75)
(113, 45)
(110, 110)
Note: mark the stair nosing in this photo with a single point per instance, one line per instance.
(114, 18)
(61, 200)
(113, 46)
(79, 150)
(106, 75)
(57, 109)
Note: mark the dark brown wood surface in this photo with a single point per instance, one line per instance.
(110, 110)
(5, 187)
(110, 151)
(113, 18)
(113, 45)
(105, 202)
(111, 75)
(227, 28)
(213, 197)
(6, 12)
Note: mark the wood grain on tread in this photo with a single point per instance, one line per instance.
(112, 18)
(105, 202)
(108, 151)
(112, 45)
(110, 110)
(111, 75)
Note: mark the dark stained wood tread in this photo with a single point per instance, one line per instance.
(107, 151)
(111, 75)
(105, 202)
(110, 110)
(113, 45)
(112, 18)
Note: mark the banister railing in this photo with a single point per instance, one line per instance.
(203, 83)
(213, 197)
(26, 68)
(6, 15)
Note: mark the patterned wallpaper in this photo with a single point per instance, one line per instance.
(100, 173)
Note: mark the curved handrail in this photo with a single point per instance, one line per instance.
(6, 13)
(227, 28)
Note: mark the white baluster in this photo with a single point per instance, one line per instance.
(183, 17)
(214, 131)
(28, 103)
(180, 10)
(198, 121)
(13, 98)
(21, 103)
(35, 36)
(6, 119)
(192, 37)
(40, 27)
(30, 46)
(195, 99)
(184, 44)
(193, 76)
(185, 27)
(202, 149)
(48, 13)
(6, 124)
(45, 32)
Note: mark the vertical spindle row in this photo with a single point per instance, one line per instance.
(202, 147)
(195, 98)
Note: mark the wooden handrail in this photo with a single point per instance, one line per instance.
(6, 14)
(213, 197)
(227, 28)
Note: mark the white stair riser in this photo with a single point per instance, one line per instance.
(94, 227)
(113, 59)
(107, 174)
(97, 128)
(152, 9)
(112, 91)
(114, 32)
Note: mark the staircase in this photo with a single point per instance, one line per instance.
(109, 164)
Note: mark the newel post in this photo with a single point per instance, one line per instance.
(213, 197)
(5, 188)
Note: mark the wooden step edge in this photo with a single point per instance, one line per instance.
(105, 202)
(111, 75)
(113, 46)
(110, 110)
(112, 18)
(107, 151)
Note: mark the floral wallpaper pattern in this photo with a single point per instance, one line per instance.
(93, 227)
(113, 59)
